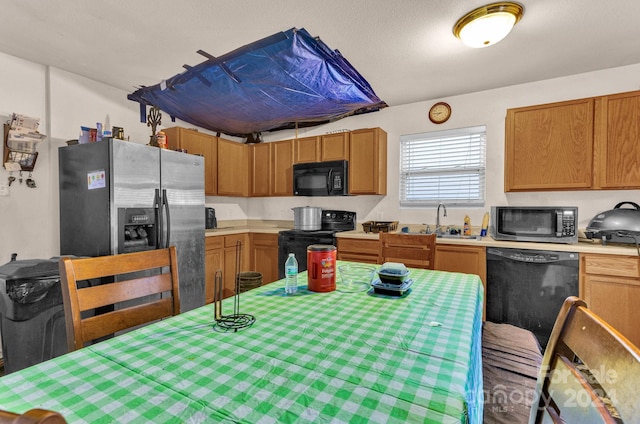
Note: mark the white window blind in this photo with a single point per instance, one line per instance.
(443, 166)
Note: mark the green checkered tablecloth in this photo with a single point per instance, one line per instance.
(312, 357)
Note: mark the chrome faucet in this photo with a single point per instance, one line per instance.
(438, 229)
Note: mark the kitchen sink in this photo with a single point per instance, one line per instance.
(459, 236)
(449, 236)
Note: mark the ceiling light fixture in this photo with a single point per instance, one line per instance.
(487, 25)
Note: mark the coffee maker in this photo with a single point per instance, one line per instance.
(210, 218)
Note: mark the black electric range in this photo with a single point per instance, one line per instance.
(297, 241)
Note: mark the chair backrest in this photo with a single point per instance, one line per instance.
(413, 250)
(590, 373)
(32, 416)
(147, 281)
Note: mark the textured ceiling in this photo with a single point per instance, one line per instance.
(404, 49)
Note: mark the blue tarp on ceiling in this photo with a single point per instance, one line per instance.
(286, 80)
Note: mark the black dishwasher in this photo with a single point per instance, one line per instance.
(526, 288)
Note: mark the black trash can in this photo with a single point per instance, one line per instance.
(31, 313)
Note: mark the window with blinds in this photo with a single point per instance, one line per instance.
(443, 166)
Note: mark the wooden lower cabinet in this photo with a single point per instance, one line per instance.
(449, 257)
(231, 257)
(220, 254)
(264, 256)
(213, 261)
(465, 259)
(610, 284)
(357, 250)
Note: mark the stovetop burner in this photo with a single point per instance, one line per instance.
(331, 221)
(296, 241)
(303, 233)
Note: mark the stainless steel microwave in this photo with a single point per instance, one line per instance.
(329, 178)
(549, 224)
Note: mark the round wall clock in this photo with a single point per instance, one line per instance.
(439, 112)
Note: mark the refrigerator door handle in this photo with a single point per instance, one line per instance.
(165, 204)
(158, 212)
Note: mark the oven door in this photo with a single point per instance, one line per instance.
(297, 243)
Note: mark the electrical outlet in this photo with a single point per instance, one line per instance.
(4, 189)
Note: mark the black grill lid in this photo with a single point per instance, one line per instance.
(619, 224)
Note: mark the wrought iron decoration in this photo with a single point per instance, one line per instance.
(154, 118)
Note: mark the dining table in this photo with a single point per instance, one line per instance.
(344, 356)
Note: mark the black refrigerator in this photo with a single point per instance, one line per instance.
(119, 197)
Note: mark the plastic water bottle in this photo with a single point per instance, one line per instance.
(291, 274)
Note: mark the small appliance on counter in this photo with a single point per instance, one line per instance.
(210, 220)
(617, 225)
(547, 224)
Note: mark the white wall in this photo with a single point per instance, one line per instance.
(64, 101)
(29, 218)
(24, 228)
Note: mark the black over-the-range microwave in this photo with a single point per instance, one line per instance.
(329, 178)
(550, 224)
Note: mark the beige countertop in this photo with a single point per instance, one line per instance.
(274, 227)
(249, 226)
(583, 246)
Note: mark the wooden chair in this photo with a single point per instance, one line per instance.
(413, 250)
(149, 291)
(32, 416)
(587, 365)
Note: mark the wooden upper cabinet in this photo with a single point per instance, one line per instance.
(201, 144)
(581, 144)
(266, 169)
(271, 169)
(368, 161)
(618, 141)
(260, 169)
(550, 147)
(306, 149)
(334, 146)
(322, 148)
(281, 155)
(233, 168)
